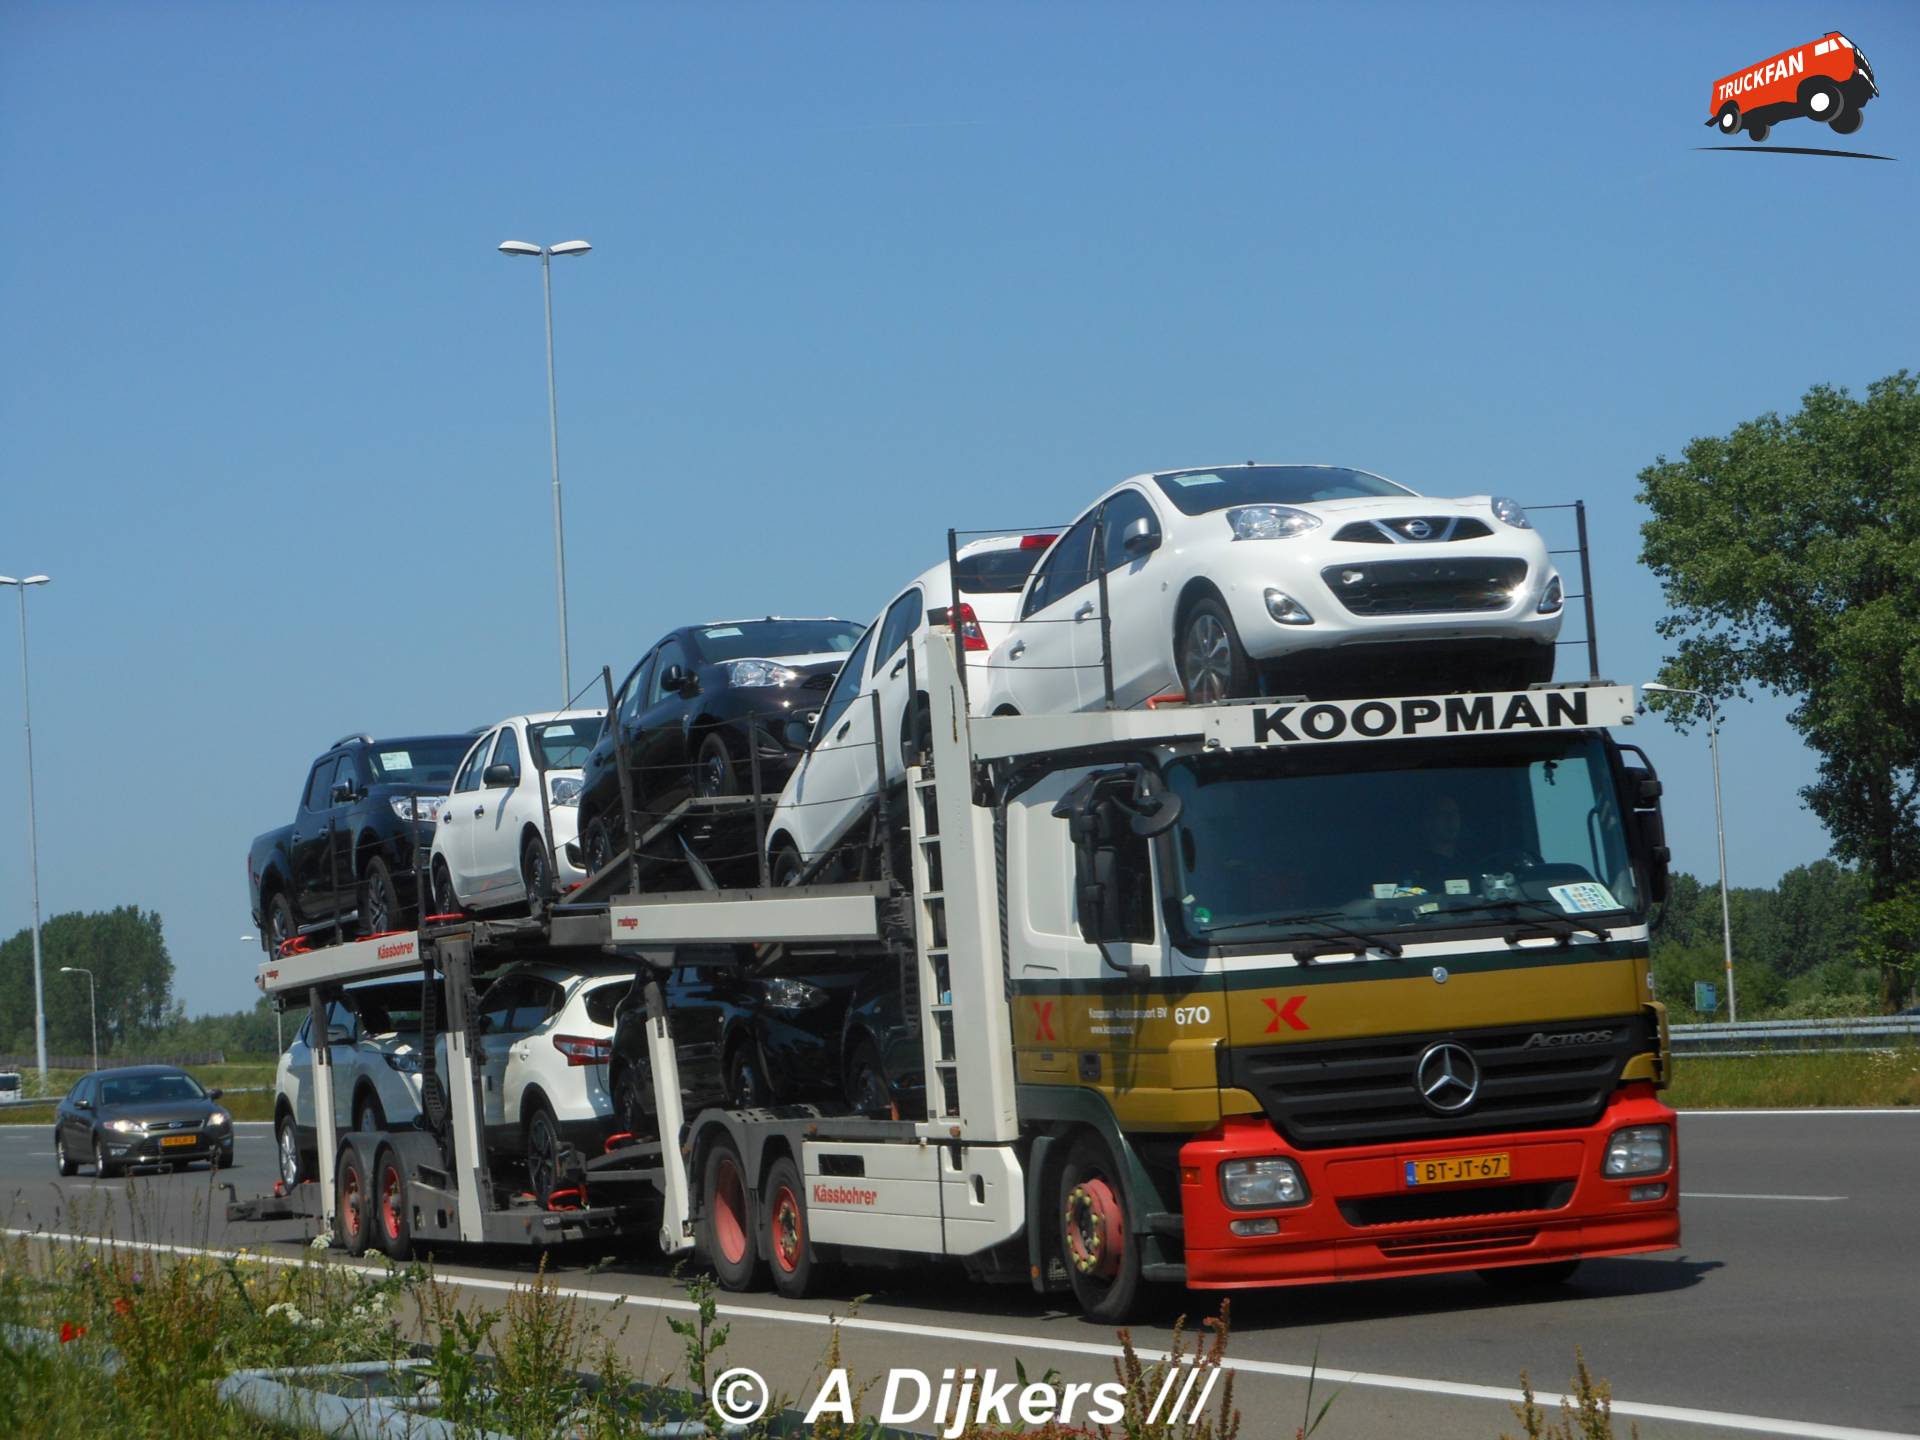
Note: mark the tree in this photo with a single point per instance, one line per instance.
(133, 980)
(1789, 553)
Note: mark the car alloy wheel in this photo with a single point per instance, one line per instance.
(289, 1153)
(1206, 659)
(533, 874)
(380, 905)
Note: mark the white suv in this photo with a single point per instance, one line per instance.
(374, 1032)
(1317, 580)
(490, 847)
(546, 1033)
(833, 786)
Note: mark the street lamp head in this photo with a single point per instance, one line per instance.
(66, 969)
(518, 247)
(570, 247)
(30, 580)
(1654, 686)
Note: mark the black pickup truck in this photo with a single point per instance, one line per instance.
(348, 856)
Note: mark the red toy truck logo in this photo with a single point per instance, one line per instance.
(1827, 80)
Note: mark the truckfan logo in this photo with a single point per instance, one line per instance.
(1827, 81)
(1447, 1077)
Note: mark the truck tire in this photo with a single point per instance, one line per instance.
(352, 1205)
(1728, 120)
(1822, 100)
(1101, 1255)
(1847, 122)
(379, 900)
(281, 925)
(392, 1227)
(796, 1268)
(727, 1226)
(1758, 130)
(1209, 658)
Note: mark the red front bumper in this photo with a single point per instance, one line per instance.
(1356, 1224)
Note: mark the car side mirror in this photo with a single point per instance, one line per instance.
(676, 679)
(1139, 539)
(338, 1035)
(215, 1093)
(500, 773)
(83, 1104)
(342, 792)
(798, 732)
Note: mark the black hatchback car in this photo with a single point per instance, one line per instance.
(140, 1115)
(689, 712)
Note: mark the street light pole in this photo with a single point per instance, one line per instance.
(33, 833)
(1720, 827)
(93, 1014)
(546, 254)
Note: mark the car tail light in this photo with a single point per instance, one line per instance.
(1037, 542)
(971, 636)
(583, 1050)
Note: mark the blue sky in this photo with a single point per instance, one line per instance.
(273, 412)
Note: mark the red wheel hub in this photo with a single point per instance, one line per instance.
(789, 1230)
(1095, 1227)
(730, 1211)
(350, 1202)
(391, 1201)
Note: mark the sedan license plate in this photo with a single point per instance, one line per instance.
(166, 1140)
(1457, 1169)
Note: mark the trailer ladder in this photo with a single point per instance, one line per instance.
(935, 985)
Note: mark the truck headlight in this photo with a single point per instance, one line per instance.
(1270, 522)
(1262, 1184)
(1638, 1150)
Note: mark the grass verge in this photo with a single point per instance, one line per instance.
(1790, 1081)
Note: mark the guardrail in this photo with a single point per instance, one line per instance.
(1757, 1037)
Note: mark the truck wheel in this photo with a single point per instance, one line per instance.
(1847, 122)
(536, 876)
(1822, 100)
(379, 900)
(713, 773)
(281, 926)
(796, 1269)
(1212, 664)
(726, 1219)
(351, 1214)
(1728, 119)
(445, 900)
(368, 1118)
(1758, 130)
(393, 1228)
(1101, 1256)
(1530, 1277)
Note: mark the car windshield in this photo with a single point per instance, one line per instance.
(1197, 492)
(150, 1089)
(423, 760)
(564, 744)
(773, 639)
(998, 572)
(1397, 838)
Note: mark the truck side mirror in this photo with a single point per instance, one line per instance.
(1108, 813)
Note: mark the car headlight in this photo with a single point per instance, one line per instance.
(429, 807)
(1511, 512)
(793, 995)
(218, 1119)
(565, 789)
(126, 1127)
(1270, 522)
(751, 674)
(1553, 598)
(407, 1063)
(1262, 1184)
(1638, 1150)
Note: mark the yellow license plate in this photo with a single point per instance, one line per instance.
(166, 1140)
(1457, 1169)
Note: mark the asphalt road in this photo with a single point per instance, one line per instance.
(1792, 1309)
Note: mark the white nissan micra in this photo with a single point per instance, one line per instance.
(1256, 579)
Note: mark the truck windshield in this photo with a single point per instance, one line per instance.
(1397, 839)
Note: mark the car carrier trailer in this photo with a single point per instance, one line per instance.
(1115, 1093)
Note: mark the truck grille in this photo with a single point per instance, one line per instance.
(1414, 1206)
(1358, 1092)
(1426, 587)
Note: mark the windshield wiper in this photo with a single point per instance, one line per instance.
(1367, 942)
(1565, 924)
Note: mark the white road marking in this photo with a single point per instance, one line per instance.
(1679, 1414)
(1709, 1195)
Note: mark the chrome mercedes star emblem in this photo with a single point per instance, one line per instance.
(1447, 1077)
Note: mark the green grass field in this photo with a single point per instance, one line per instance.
(1788, 1081)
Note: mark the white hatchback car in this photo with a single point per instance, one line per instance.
(490, 847)
(833, 785)
(546, 1035)
(374, 1031)
(1281, 580)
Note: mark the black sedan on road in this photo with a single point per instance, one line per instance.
(694, 711)
(141, 1115)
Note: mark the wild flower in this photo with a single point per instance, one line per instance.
(69, 1332)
